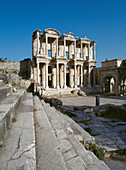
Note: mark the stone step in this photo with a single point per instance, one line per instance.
(8, 107)
(48, 152)
(72, 158)
(5, 92)
(18, 149)
(63, 131)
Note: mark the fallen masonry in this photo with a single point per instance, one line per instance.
(52, 144)
(110, 134)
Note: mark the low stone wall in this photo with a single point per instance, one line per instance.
(22, 68)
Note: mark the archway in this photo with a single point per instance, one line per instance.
(109, 84)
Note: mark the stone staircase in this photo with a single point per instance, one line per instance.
(52, 144)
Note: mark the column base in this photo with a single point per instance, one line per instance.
(75, 86)
(65, 87)
(58, 87)
(89, 85)
(47, 88)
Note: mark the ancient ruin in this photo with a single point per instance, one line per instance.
(62, 61)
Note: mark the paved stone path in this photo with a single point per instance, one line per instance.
(18, 149)
(90, 100)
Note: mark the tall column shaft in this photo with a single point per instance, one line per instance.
(94, 77)
(46, 70)
(43, 76)
(37, 42)
(56, 47)
(89, 52)
(74, 49)
(81, 75)
(89, 70)
(38, 72)
(81, 51)
(64, 48)
(65, 76)
(57, 75)
(75, 75)
(94, 52)
(46, 45)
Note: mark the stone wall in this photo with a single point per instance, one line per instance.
(22, 68)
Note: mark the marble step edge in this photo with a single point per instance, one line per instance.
(7, 115)
(91, 161)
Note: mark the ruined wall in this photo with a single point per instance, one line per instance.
(22, 68)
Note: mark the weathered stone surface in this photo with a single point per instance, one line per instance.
(69, 143)
(48, 149)
(8, 107)
(19, 146)
(1, 83)
(4, 92)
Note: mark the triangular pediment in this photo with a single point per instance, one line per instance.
(52, 31)
(85, 39)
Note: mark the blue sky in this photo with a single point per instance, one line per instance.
(100, 20)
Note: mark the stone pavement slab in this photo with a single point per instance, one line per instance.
(48, 153)
(90, 100)
(70, 144)
(8, 107)
(18, 149)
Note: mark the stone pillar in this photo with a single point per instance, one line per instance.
(46, 45)
(89, 70)
(84, 52)
(75, 49)
(89, 52)
(43, 76)
(81, 76)
(57, 75)
(81, 51)
(117, 86)
(38, 72)
(75, 74)
(61, 76)
(46, 70)
(57, 47)
(70, 76)
(94, 52)
(78, 75)
(94, 77)
(64, 48)
(65, 76)
(37, 42)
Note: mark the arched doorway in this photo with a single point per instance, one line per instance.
(109, 84)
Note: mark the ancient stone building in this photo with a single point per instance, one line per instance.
(62, 61)
(112, 76)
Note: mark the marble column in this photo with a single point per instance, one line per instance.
(117, 85)
(57, 75)
(43, 76)
(61, 76)
(75, 75)
(65, 76)
(81, 51)
(38, 72)
(89, 71)
(64, 48)
(81, 76)
(46, 45)
(46, 70)
(57, 47)
(94, 77)
(94, 52)
(37, 42)
(84, 52)
(89, 52)
(75, 49)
